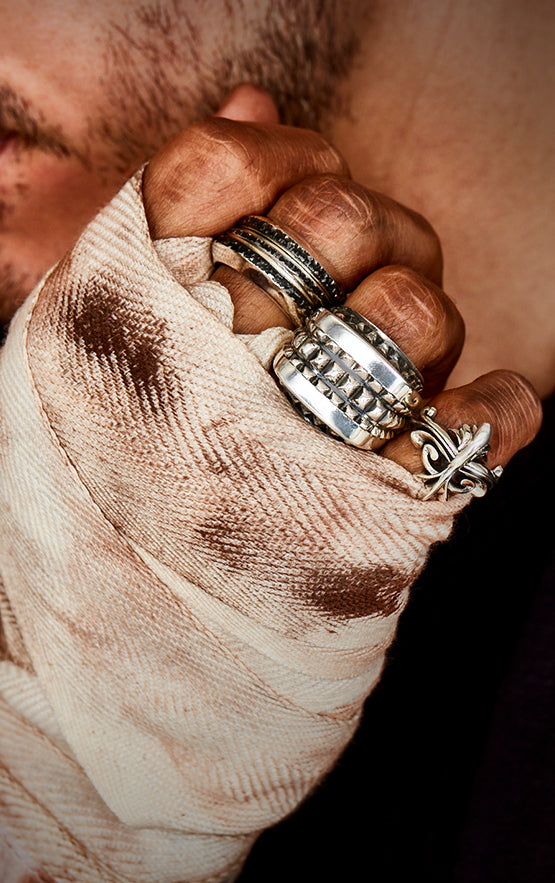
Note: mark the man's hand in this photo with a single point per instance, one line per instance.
(386, 256)
(203, 585)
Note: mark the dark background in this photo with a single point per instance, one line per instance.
(451, 774)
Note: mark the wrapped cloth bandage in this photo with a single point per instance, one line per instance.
(198, 587)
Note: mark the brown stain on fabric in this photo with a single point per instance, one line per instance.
(229, 538)
(105, 327)
(361, 591)
(241, 541)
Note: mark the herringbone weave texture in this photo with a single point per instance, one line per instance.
(199, 588)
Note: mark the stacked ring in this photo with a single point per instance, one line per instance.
(341, 372)
(346, 377)
(279, 265)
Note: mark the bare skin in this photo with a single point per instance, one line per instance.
(387, 257)
(451, 112)
(446, 107)
(421, 119)
(90, 91)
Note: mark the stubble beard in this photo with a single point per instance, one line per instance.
(157, 82)
(160, 80)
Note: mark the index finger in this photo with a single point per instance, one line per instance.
(217, 170)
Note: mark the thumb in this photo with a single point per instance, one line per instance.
(248, 103)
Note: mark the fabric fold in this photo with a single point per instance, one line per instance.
(205, 586)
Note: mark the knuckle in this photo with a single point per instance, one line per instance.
(220, 152)
(223, 149)
(503, 398)
(417, 303)
(408, 287)
(515, 403)
(333, 160)
(327, 203)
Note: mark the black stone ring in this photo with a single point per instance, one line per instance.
(278, 264)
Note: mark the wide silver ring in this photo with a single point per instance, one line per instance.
(454, 459)
(278, 264)
(343, 375)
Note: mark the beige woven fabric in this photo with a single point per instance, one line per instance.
(198, 588)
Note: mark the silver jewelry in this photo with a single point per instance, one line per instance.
(279, 265)
(454, 459)
(346, 377)
(368, 338)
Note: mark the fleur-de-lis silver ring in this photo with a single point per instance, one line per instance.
(454, 459)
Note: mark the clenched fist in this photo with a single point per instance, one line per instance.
(200, 587)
